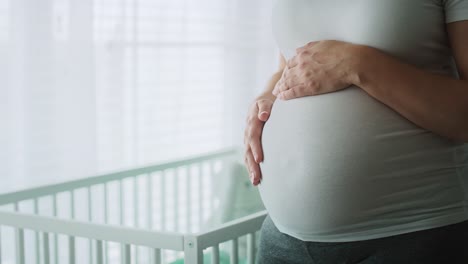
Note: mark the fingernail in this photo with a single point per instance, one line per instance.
(252, 177)
(256, 158)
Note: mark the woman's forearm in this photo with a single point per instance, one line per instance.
(435, 102)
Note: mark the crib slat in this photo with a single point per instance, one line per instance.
(19, 245)
(250, 248)
(126, 254)
(234, 251)
(71, 250)
(121, 203)
(99, 255)
(135, 201)
(149, 196)
(106, 220)
(176, 198)
(200, 194)
(90, 208)
(215, 254)
(210, 180)
(189, 201)
(163, 191)
(106, 214)
(156, 256)
(36, 233)
(71, 240)
(54, 211)
(90, 218)
(19, 239)
(104, 193)
(45, 239)
(135, 211)
(149, 200)
(72, 204)
(122, 218)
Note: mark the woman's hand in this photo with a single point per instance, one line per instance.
(319, 67)
(258, 114)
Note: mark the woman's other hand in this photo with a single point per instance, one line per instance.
(317, 68)
(258, 114)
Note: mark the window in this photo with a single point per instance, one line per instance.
(98, 85)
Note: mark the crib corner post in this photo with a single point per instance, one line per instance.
(193, 252)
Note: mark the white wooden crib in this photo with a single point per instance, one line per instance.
(174, 212)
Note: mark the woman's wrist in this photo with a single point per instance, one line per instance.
(359, 64)
(266, 95)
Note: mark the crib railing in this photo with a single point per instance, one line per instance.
(153, 214)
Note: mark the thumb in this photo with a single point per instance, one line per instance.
(264, 108)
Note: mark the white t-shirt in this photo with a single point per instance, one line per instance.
(343, 166)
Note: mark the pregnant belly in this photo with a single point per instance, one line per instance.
(338, 161)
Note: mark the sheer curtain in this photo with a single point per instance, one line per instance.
(88, 86)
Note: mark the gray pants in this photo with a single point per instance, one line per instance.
(442, 245)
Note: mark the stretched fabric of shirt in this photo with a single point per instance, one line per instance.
(343, 166)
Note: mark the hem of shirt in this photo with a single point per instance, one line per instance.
(456, 17)
(381, 232)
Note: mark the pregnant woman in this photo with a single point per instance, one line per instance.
(358, 143)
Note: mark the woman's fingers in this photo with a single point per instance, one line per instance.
(264, 109)
(252, 137)
(259, 114)
(256, 128)
(253, 167)
(280, 82)
(294, 92)
(254, 153)
(255, 144)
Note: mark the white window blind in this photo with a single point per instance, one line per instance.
(97, 85)
(4, 20)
